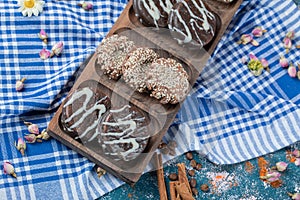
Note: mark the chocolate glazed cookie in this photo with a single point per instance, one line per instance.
(193, 21)
(123, 133)
(153, 12)
(81, 112)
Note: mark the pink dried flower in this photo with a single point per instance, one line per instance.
(281, 166)
(292, 71)
(283, 62)
(21, 146)
(43, 36)
(86, 6)
(287, 44)
(245, 39)
(258, 31)
(297, 162)
(253, 57)
(9, 169)
(290, 34)
(44, 54)
(57, 49)
(273, 176)
(265, 64)
(32, 128)
(20, 84)
(30, 138)
(296, 153)
(296, 196)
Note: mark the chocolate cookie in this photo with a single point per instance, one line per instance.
(123, 133)
(153, 12)
(193, 22)
(112, 53)
(81, 112)
(136, 66)
(168, 81)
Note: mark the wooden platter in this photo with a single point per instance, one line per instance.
(161, 115)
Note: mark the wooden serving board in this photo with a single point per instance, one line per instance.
(161, 116)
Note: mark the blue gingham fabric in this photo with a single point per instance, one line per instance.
(230, 115)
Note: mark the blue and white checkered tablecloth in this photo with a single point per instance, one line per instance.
(230, 115)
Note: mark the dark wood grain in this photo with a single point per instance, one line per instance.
(161, 116)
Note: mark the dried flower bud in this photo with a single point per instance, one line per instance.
(296, 196)
(292, 71)
(30, 138)
(287, 44)
(245, 39)
(20, 84)
(100, 172)
(44, 135)
(45, 54)
(290, 34)
(21, 146)
(255, 67)
(86, 6)
(281, 166)
(297, 162)
(9, 169)
(283, 62)
(57, 49)
(258, 31)
(43, 36)
(32, 128)
(271, 176)
(252, 57)
(254, 43)
(296, 153)
(265, 64)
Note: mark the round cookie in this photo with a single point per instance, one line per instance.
(193, 22)
(136, 66)
(168, 81)
(82, 111)
(112, 53)
(124, 133)
(153, 12)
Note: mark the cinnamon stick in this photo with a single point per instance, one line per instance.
(182, 176)
(182, 190)
(173, 193)
(160, 178)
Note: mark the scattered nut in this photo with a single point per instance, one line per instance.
(204, 188)
(173, 176)
(195, 191)
(193, 163)
(198, 166)
(189, 156)
(191, 172)
(193, 182)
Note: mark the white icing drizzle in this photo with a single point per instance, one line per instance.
(126, 135)
(88, 93)
(204, 19)
(152, 9)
